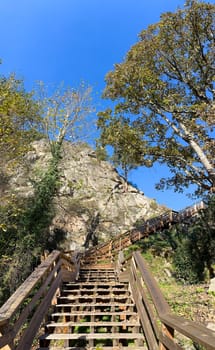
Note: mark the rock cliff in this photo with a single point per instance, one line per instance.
(94, 203)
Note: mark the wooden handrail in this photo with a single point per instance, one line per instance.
(31, 300)
(9, 308)
(141, 279)
(123, 240)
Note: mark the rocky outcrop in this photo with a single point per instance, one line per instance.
(94, 203)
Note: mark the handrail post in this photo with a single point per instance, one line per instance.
(110, 251)
(76, 258)
(167, 331)
(120, 261)
(6, 329)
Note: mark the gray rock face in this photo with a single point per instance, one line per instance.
(94, 203)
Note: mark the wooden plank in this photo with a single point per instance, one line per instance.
(67, 263)
(94, 348)
(12, 304)
(105, 266)
(6, 339)
(68, 276)
(190, 329)
(144, 317)
(94, 304)
(149, 310)
(95, 297)
(96, 323)
(29, 334)
(150, 226)
(94, 283)
(96, 313)
(11, 334)
(160, 303)
(41, 292)
(168, 342)
(112, 289)
(89, 336)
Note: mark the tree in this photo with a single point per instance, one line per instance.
(125, 142)
(67, 114)
(195, 251)
(19, 118)
(165, 91)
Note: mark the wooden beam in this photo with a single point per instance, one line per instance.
(13, 303)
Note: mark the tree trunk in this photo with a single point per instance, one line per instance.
(202, 157)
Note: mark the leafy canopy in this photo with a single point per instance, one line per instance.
(19, 118)
(164, 92)
(67, 113)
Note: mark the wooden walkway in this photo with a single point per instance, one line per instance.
(81, 302)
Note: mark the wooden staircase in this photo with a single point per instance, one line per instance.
(95, 312)
(98, 307)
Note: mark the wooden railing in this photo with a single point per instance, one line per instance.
(23, 313)
(159, 323)
(109, 250)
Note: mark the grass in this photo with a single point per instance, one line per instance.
(190, 301)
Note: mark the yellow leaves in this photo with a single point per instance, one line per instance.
(18, 116)
(66, 113)
(3, 227)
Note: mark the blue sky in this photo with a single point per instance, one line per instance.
(74, 40)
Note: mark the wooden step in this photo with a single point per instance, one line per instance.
(95, 292)
(93, 288)
(95, 279)
(94, 324)
(89, 336)
(105, 272)
(132, 347)
(97, 266)
(66, 348)
(95, 313)
(123, 305)
(91, 298)
(97, 271)
(106, 315)
(111, 273)
(97, 289)
(97, 275)
(94, 283)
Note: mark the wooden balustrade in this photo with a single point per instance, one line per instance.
(111, 248)
(23, 313)
(158, 321)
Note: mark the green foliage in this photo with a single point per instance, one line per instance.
(196, 253)
(190, 247)
(67, 113)
(127, 144)
(153, 205)
(19, 118)
(39, 212)
(101, 153)
(24, 223)
(24, 232)
(164, 92)
(187, 270)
